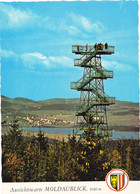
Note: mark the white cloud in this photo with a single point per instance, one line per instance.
(13, 17)
(116, 66)
(35, 60)
(7, 54)
(63, 26)
(73, 30)
(38, 60)
(86, 24)
(77, 24)
(62, 61)
(38, 55)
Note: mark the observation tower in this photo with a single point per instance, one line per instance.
(91, 111)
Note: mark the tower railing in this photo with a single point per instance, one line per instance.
(83, 82)
(83, 108)
(90, 49)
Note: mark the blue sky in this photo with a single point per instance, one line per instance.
(37, 39)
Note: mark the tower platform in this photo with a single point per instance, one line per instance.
(97, 49)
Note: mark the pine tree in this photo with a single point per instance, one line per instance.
(42, 156)
(14, 140)
(13, 146)
(68, 166)
(121, 148)
(54, 151)
(134, 157)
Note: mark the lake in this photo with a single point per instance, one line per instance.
(115, 135)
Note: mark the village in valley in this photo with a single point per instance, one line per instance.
(44, 121)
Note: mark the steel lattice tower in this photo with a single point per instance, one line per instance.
(91, 112)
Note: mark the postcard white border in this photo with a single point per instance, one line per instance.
(93, 187)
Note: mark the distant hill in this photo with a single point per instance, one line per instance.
(24, 100)
(26, 105)
(121, 116)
